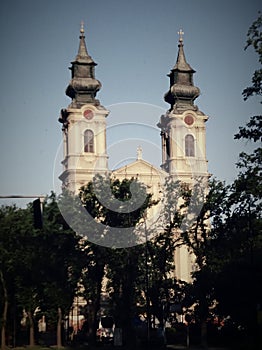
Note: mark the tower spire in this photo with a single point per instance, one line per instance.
(181, 62)
(182, 92)
(82, 55)
(83, 85)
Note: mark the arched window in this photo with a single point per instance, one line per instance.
(189, 146)
(89, 141)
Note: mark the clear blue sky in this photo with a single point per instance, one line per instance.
(135, 46)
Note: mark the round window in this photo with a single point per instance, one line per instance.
(189, 119)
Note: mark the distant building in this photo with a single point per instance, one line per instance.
(182, 130)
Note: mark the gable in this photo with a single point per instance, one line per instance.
(139, 168)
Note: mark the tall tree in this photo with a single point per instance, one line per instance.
(17, 263)
(110, 202)
(198, 239)
(162, 246)
(59, 274)
(40, 268)
(254, 39)
(238, 277)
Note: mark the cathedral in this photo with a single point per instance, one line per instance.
(182, 132)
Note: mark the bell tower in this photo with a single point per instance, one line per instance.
(183, 130)
(183, 136)
(84, 124)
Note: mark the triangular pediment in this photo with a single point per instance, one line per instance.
(139, 167)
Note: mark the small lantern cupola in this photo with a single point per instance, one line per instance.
(182, 92)
(83, 85)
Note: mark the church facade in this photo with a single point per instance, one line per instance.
(182, 132)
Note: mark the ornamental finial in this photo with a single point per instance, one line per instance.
(180, 33)
(82, 30)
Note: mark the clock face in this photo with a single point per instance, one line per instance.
(88, 114)
(189, 119)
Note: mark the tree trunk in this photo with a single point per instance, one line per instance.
(31, 330)
(203, 334)
(96, 307)
(4, 315)
(59, 329)
(96, 302)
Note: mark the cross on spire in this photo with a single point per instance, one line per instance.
(180, 33)
(139, 153)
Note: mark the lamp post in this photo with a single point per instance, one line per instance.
(147, 287)
(188, 320)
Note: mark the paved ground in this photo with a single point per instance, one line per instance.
(168, 347)
(180, 347)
